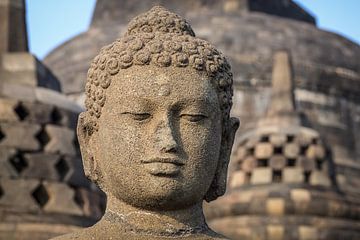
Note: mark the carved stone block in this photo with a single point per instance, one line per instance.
(237, 179)
(20, 135)
(275, 206)
(261, 176)
(293, 175)
(7, 113)
(61, 140)
(263, 150)
(61, 199)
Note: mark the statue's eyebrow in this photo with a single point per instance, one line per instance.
(136, 101)
(204, 103)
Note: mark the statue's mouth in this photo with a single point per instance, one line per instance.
(163, 166)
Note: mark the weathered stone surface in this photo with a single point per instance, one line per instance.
(291, 150)
(20, 135)
(275, 206)
(23, 68)
(237, 179)
(275, 232)
(61, 199)
(277, 162)
(17, 91)
(7, 112)
(319, 178)
(249, 164)
(50, 97)
(6, 169)
(308, 233)
(41, 165)
(61, 140)
(300, 195)
(261, 176)
(263, 150)
(20, 199)
(13, 37)
(293, 175)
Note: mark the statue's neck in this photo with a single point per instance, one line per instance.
(163, 223)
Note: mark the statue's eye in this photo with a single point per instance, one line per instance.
(138, 116)
(193, 117)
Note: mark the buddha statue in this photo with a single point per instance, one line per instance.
(157, 134)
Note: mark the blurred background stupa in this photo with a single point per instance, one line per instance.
(295, 170)
(43, 189)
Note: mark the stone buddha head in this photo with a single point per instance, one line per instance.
(157, 132)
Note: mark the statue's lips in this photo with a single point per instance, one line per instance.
(163, 166)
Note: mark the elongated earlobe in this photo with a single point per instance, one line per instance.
(218, 185)
(85, 129)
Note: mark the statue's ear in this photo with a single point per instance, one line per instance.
(218, 185)
(86, 128)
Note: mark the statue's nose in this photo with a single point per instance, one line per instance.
(165, 138)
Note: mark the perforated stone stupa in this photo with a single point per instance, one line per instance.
(43, 190)
(283, 180)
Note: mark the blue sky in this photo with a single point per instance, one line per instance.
(51, 22)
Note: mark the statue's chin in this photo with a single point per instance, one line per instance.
(163, 200)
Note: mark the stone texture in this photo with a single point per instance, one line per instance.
(20, 135)
(7, 113)
(261, 176)
(275, 232)
(61, 140)
(275, 206)
(61, 199)
(13, 36)
(293, 175)
(23, 68)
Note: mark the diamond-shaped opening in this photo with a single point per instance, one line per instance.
(18, 162)
(278, 150)
(319, 164)
(265, 138)
(56, 116)
(291, 162)
(62, 168)
(40, 195)
(251, 151)
(21, 111)
(277, 176)
(2, 135)
(303, 150)
(290, 138)
(1, 192)
(307, 175)
(43, 137)
(247, 177)
(263, 162)
(78, 198)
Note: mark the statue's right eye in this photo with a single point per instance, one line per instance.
(138, 116)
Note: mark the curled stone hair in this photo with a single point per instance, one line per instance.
(161, 38)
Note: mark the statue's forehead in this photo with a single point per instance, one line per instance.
(146, 83)
(141, 80)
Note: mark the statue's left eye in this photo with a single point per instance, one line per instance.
(138, 116)
(193, 117)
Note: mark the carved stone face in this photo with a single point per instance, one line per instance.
(159, 137)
